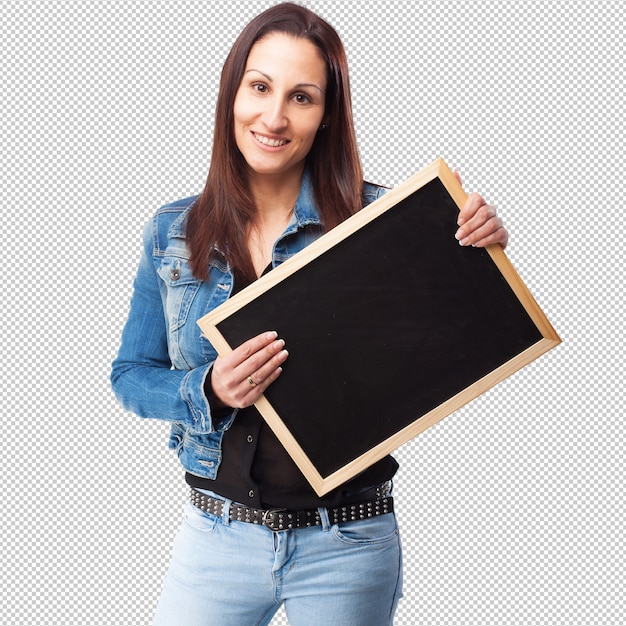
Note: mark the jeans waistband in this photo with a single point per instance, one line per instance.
(277, 519)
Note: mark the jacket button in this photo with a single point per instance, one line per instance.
(249, 438)
(175, 274)
(251, 493)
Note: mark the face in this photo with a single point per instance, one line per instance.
(279, 105)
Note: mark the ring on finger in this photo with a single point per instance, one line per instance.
(252, 383)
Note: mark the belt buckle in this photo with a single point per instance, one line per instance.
(274, 520)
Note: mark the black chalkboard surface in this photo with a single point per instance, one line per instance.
(390, 326)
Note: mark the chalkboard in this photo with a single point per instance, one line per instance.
(390, 326)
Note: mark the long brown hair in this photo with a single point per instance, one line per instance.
(221, 216)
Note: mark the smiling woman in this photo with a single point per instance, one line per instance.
(284, 169)
(278, 111)
(299, 40)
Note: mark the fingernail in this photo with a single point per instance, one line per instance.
(272, 335)
(459, 234)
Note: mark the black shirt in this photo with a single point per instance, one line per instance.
(257, 471)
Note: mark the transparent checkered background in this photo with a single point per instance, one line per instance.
(512, 508)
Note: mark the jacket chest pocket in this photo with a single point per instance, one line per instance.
(181, 288)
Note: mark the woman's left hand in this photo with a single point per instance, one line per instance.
(479, 224)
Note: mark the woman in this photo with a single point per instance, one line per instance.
(284, 169)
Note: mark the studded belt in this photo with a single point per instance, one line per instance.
(284, 519)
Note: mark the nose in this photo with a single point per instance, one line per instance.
(275, 114)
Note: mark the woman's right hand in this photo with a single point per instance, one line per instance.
(240, 378)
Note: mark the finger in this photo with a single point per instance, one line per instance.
(241, 385)
(482, 217)
(475, 230)
(251, 393)
(471, 207)
(259, 374)
(251, 347)
(261, 363)
(231, 369)
(500, 236)
(253, 387)
(491, 232)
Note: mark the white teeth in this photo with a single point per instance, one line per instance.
(272, 143)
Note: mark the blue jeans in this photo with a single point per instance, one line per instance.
(227, 573)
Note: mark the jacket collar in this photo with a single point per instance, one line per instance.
(304, 212)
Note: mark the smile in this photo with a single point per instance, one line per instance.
(272, 143)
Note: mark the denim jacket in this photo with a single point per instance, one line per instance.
(163, 358)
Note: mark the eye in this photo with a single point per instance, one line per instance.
(259, 88)
(302, 98)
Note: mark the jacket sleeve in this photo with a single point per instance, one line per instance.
(142, 376)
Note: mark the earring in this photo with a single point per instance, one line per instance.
(323, 127)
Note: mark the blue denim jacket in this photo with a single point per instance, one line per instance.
(163, 358)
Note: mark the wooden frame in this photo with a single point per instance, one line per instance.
(390, 326)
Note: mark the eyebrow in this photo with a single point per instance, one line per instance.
(298, 86)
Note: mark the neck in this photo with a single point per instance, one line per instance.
(275, 196)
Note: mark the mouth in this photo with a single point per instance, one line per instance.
(270, 143)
